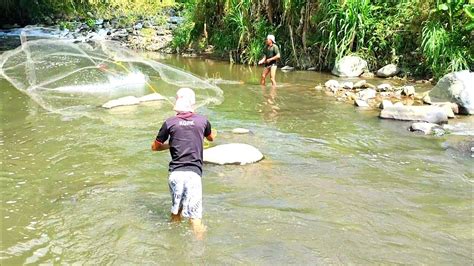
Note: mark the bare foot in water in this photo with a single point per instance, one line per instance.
(199, 229)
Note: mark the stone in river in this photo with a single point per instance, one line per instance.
(287, 68)
(367, 94)
(360, 84)
(389, 70)
(361, 103)
(384, 87)
(124, 101)
(432, 114)
(152, 97)
(427, 128)
(448, 107)
(347, 85)
(349, 66)
(456, 87)
(240, 130)
(385, 103)
(233, 153)
(408, 90)
(332, 84)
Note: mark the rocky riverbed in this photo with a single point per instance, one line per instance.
(150, 34)
(430, 110)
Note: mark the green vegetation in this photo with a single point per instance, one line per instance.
(33, 11)
(424, 37)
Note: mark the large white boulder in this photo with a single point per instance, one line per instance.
(233, 153)
(389, 70)
(349, 66)
(431, 114)
(456, 87)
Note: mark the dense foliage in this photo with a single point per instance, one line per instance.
(33, 11)
(425, 37)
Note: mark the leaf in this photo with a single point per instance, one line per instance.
(469, 10)
(443, 7)
(470, 26)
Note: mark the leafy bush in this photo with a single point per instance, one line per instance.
(446, 40)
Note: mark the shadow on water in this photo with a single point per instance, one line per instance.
(337, 185)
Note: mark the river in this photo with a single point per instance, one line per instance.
(338, 185)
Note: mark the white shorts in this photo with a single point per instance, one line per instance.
(186, 193)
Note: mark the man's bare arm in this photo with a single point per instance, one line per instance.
(212, 136)
(158, 146)
(276, 57)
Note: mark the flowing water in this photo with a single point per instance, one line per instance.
(337, 185)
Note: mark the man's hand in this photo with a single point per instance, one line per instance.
(158, 146)
(212, 136)
(261, 61)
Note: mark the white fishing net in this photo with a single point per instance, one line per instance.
(71, 78)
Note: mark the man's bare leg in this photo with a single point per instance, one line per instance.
(273, 70)
(198, 228)
(265, 72)
(176, 217)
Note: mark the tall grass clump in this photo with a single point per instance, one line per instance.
(344, 26)
(447, 37)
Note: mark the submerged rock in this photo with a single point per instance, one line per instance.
(233, 153)
(287, 68)
(124, 101)
(240, 130)
(349, 66)
(456, 87)
(152, 97)
(389, 70)
(432, 114)
(427, 128)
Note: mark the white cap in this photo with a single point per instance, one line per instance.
(185, 100)
(271, 37)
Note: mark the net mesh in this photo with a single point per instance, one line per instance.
(67, 77)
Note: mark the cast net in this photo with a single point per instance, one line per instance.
(74, 78)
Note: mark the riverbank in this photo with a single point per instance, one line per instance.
(153, 33)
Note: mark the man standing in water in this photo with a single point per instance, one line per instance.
(270, 57)
(185, 131)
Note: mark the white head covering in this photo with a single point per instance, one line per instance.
(271, 37)
(185, 100)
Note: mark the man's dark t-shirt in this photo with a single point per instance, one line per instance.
(186, 133)
(271, 52)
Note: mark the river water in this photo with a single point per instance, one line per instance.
(337, 185)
